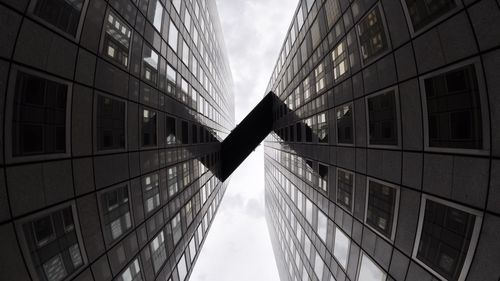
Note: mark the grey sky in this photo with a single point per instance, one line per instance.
(238, 245)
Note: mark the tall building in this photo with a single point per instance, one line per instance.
(111, 116)
(384, 163)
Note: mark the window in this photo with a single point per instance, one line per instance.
(310, 4)
(62, 14)
(333, 12)
(150, 64)
(55, 253)
(382, 202)
(298, 127)
(454, 109)
(116, 43)
(170, 130)
(309, 125)
(345, 189)
(319, 73)
(300, 18)
(322, 226)
(131, 273)
(151, 192)
(185, 53)
(177, 5)
(340, 60)
(116, 216)
(192, 249)
(309, 211)
(369, 271)
(307, 90)
(148, 127)
(323, 177)
(187, 21)
(422, 13)
(383, 119)
(322, 128)
(319, 265)
(345, 130)
(194, 131)
(171, 80)
(341, 248)
(173, 35)
(181, 268)
(372, 37)
(184, 132)
(158, 251)
(39, 116)
(173, 186)
(176, 228)
(156, 14)
(446, 237)
(186, 175)
(188, 208)
(110, 123)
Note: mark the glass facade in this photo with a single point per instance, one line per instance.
(113, 114)
(381, 161)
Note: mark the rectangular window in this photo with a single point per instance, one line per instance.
(454, 109)
(323, 177)
(158, 251)
(171, 80)
(177, 5)
(319, 73)
(309, 130)
(344, 119)
(298, 128)
(184, 132)
(185, 53)
(148, 127)
(423, 13)
(372, 36)
(345, 189)
(322, 130)
(116, 41)
(151, 192)
(383, 119)
(340, 60)
(181, 268)
(341, 247)
(56, 253)
(173, 36)
(333, 12)
(176, 228)
(62, 14)
(369, 270)
(194, 131)
(446, 237)
(307, 90)
(116, 216)
(322, 225)
(110, 123)
(300, 18)
(382, 202)
(170, 130)
(150, 64)
(155, 14)
(39, 116)
(173, 186)
(186, 174)
(131, 273)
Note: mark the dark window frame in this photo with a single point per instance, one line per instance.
(395, 209)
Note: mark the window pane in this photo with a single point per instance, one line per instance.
(148, 128)
(369, 271)
(345, 124)
(170, 130)
(173, 35)
(341, 248)
(425, 12)
(381, 207)
(63, 14)
(181, 267)
(39, 117)
(345, 188)
(110, 123)
(54, 269)
(383, 119)
(116, 43)
(116, 213)
(322, 225)
(445, 238)
(150, 64)
(454, 109)
(372, 37)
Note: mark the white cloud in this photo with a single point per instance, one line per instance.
(238, 246)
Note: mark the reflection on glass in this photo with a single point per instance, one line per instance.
(341, 248)
(322, 225)
(63, 14)
(158, 16)
(369, 271)
(150, 64)
(116, 39)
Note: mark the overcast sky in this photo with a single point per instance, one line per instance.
(238, 246)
